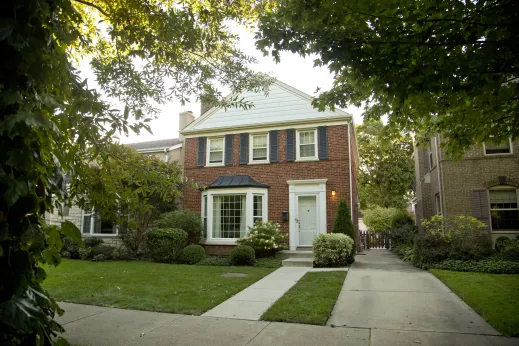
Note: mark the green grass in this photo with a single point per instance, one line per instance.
(267, 262)
(493, 296)
(147, 286)
(309, 301)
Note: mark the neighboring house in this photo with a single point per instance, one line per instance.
(91, 224)
(484, 184)
(281, 160)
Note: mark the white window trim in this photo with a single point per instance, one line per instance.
(251, 149)
(208, 152)
(499, 154)
(501, 187)
(249, 192)
(92, 226)
(298, 148)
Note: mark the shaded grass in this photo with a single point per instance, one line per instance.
(266, 262)
(147, 286)
(310, 300)
(493, 296)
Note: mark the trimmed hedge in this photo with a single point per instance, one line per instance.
(243, 255)
(165, 244)
(192, 254)
(332, 250)
(186, 220)
(491, 265)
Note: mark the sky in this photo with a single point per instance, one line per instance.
(293, 70)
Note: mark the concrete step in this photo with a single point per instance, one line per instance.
(294, 254)
(298, 262)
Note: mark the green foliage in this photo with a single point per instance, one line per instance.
(242, 255)
(343, 224)
(431, 67)
(332, 249)
(165, 245)
(99, 258)
(501, 242)
(459, 237)
(265, 238)
(401, 218)
(215, 261)
(268, 262)
(491, 265)
(85, 253)
(105, 250)
(188, 220)
(386, 168)
(379, 219)
(403, 230)
(510, 250)
(92, 242)
(192, 254)
(404, 251)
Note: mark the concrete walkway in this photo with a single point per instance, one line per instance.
(253, 301)
(94, 325)
(410, 305)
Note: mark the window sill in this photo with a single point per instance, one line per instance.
(85, 235)
(219, 242)
(499, 154)
(259, 162)
(505, 231)
(215, 165)
(310, 159)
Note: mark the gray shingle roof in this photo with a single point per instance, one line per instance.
(150, 145)
(235, 181)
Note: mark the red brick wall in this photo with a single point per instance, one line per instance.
(335, 169)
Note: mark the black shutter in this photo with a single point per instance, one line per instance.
(273, 142)
(244, 148)
(200, 161)
(290, 144)
(322, 137)
(228, 149)
(480, 207)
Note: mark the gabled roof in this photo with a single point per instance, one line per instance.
(225, 181)
(154, 145)
(284, 105)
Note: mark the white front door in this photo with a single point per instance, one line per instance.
(307, 219)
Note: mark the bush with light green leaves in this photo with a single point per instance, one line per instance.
(265, 238)
(332, 249)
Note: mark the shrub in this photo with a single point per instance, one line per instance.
(92, 242)
(344, 225)
(99, 258)
(401, 218)
(264, 237)
(165, 244)
(501, 242)
(332, 249)
(192, 254)
(133, 240)
(187, 220)
(242, 255)
(459, 237)
(65, 254)
(85, 253)
(379, 219)
(403, 235)
(490, 265)
(510, 250)
(404, 251)
(71, 248)
(105, 250)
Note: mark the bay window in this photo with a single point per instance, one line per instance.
(227, 213)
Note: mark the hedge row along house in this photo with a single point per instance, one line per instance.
(484, 184)
(282, 160)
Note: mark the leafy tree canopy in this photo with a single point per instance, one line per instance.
(53, 124)
(386, 168)
(432, 66)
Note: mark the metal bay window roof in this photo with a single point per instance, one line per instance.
(235, 181)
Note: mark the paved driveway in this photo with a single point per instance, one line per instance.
(383, 292)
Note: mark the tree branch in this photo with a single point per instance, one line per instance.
(93, 5)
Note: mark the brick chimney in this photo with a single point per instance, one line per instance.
(184, 119)
(205, 104)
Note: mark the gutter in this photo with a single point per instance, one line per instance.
(349, 163)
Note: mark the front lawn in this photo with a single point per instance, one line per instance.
(147, 286)
(310, 300)
(493, 296)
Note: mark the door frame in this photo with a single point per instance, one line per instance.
(296, 188)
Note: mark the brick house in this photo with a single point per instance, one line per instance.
(484, 184)
(281, 160)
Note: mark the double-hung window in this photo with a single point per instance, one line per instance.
(504, 211)
(307, 145)
(259, 152)
(93, 224)
(216, 151)
(497, 148)
(257, 208)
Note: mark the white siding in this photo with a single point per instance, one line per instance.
(281, 105)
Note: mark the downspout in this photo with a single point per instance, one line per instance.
(349, 162)
(440, 183)
(166, 155)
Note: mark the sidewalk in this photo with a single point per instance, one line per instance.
(93, 325)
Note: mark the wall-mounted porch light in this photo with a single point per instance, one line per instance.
(333, 193)
(284, 215)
